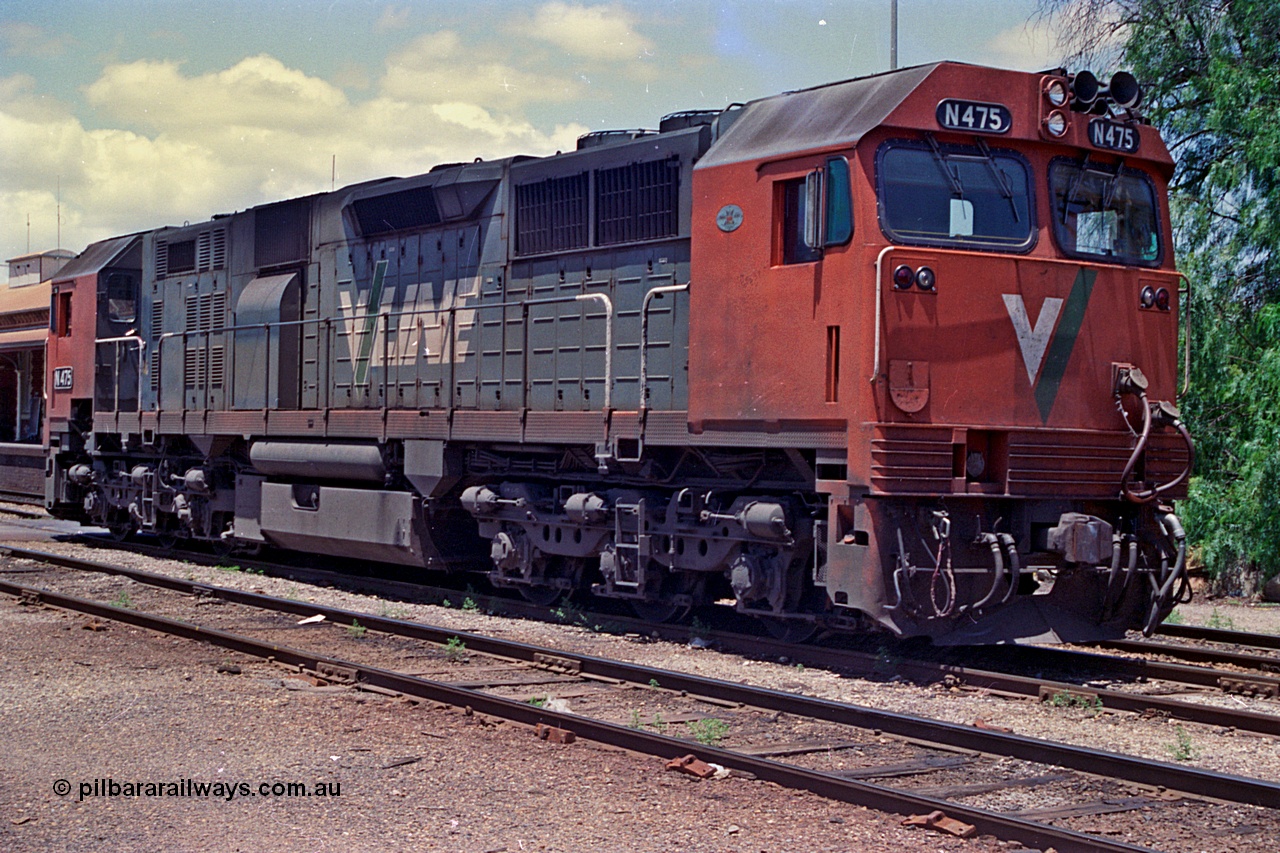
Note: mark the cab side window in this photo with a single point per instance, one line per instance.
(60, 314)
(121, 298)
(794, 250)
(815, 212)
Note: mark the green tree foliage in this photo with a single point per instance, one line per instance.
(1211, 73)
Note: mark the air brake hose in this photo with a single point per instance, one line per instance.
(1015, 570)
(1109, 598)
(992, 541)
(1164, 412)
(1172, 528)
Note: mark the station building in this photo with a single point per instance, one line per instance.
(24, 325)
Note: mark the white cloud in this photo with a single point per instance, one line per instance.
(593, 32)
(256, 92)
(437, 67)
(23, 39)
(393, 18)
(1031, 46)
(180, 147)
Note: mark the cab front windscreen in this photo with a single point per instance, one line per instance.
(953, 195)
(1104, 213)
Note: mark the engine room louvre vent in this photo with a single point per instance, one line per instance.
(551, 215)
(211, 250)
(206, 312)
(281, 233)
(208, 251)
(383, 214)
(204, 367)
(175, 258)
(217, 366)
(638, 202)
(157, 329)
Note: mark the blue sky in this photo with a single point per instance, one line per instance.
(154, 112)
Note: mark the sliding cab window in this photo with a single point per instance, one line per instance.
(816, 212)
(1104, 213)
(60, 314)
(955, 195)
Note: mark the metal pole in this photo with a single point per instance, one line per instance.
(893, 35)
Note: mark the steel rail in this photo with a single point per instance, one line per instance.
(1237, 789)
(918, 670)
(1181, 673)
(1196, 654)
(1221, 635)
(827, 785)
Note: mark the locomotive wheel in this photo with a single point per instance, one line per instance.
(543, 596)
(659, 611)
(120, 527)
(789, 630)
(688, 586)
(168, 539)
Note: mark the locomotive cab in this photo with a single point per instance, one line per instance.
(93, 361)
(1003, 479)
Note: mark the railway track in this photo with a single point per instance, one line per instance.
(917, 747)
(1221, 635)
(1086, 670)
(1245, 651)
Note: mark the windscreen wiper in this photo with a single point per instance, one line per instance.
(1074, 187)
(1006, 189)
(1109, 191)
(941, 160)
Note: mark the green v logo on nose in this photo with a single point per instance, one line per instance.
(1044, 351)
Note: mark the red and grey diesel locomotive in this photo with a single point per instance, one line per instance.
(893, 353)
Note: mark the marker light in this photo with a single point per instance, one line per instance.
(1148, 297)
(1056, 92)
(1162, 299)
(925, 279)
(1056, 123)
(903, 278)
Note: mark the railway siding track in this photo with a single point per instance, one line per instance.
(1036, 687)
(1198, 654)
(1147, 668)
(1221, 635)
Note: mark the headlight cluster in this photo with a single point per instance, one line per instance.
(1081, 92)
(1153, 298)
(924, 278)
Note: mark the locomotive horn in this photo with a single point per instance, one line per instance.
(1084, 90)
(1123, 90)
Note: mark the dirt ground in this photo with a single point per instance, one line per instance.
(125, 707)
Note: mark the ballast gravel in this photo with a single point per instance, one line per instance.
(122, 704)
